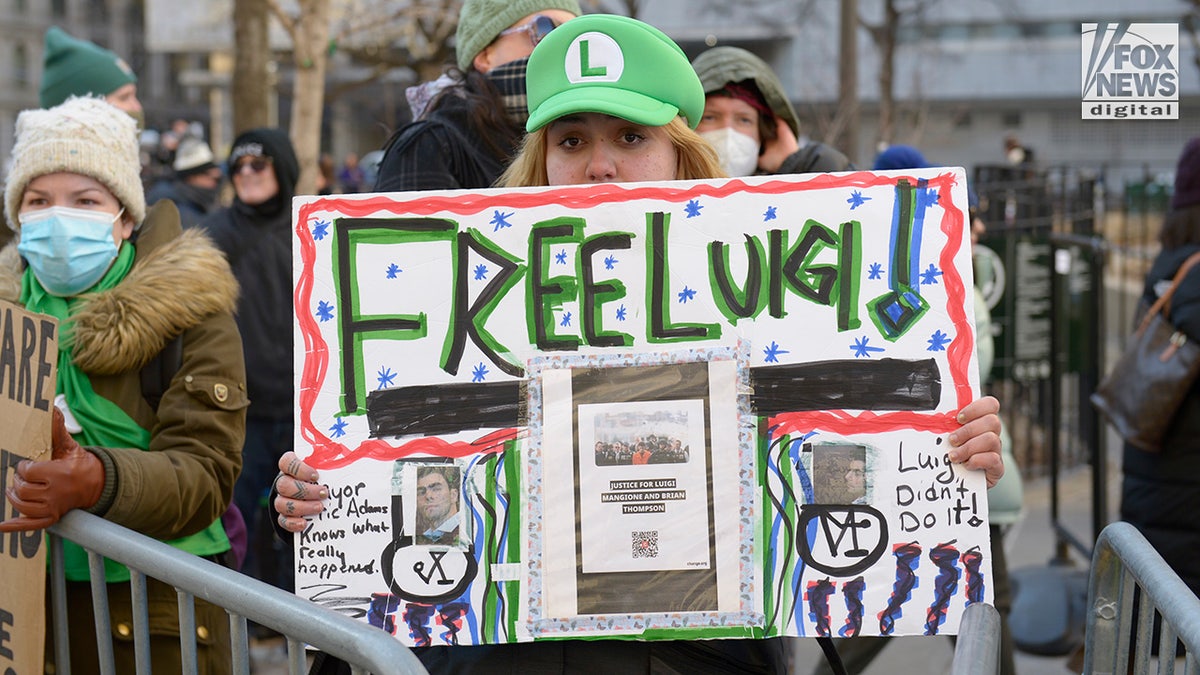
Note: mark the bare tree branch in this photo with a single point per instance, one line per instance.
(288, 23)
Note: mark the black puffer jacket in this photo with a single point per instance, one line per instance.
(258, 242)
(439, 152)
(1160, 493)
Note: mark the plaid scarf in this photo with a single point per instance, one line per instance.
(509, 79)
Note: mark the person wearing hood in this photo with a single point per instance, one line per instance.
(750, 121)
(123, 283)
(256, 235)
(473, 125)
(196, 185)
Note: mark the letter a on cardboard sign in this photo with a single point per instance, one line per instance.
(26, 421)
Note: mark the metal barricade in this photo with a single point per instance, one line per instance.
(977, 651)
(1125, 569)
(244, 598)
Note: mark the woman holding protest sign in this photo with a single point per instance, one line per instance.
(632, 123)
(640, 127)
(133, 295)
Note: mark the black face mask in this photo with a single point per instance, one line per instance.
(509, 79)
(208, 196)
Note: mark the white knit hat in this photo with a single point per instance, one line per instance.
(82, 135)
(192, 156)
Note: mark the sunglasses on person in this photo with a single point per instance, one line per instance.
(256, 165)
(537, 29)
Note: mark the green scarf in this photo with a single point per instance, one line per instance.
(104, 423)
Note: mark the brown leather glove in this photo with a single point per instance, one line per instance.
(43, 491)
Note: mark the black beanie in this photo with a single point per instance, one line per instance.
(273, 143)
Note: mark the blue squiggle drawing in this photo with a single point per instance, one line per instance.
(381, 613)
(450, 617)
(945, 556)
(852, 591)
(818, 604)
(972, 560)
(416, 617)
(908, 556)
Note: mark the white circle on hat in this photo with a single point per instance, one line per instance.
(594, 57)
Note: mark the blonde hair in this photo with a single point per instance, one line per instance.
(695, 158)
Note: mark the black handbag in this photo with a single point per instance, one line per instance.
(1147, 384)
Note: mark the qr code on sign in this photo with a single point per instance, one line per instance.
(645, 544)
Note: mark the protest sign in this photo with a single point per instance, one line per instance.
(28, 360)
(672, 410)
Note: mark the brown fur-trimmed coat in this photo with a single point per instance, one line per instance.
(180, 284)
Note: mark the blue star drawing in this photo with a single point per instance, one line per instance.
(479, 373)
(622, 313)
(926, 198)
(686, 294)
(339, 428)
(500, 220)
(320, 230)
(938, 341)
(324, 311)
(769, 214)
(693, 208)
(481, 271)
(857, 199)
(610, 262)
(561, 257)
(875, 271)
(393, 270)
(566, 319)
(861, 349)
(386, 377)
(772, 352)
(930, 275)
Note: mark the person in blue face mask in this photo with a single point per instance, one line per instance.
(123, 285)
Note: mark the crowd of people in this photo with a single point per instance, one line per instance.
(649, 449)
(205, 461)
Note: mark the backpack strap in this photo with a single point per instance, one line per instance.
(157, 374)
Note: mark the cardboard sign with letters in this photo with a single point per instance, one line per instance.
(28, 362)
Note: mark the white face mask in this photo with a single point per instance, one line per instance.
(737, 151)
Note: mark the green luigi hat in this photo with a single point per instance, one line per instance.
(74, 67)
(615, 65)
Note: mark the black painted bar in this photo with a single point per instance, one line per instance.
(877, 384)
(858, 384)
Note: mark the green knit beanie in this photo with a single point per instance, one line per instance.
(480, 21)
(73, 67)
(614, 65)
